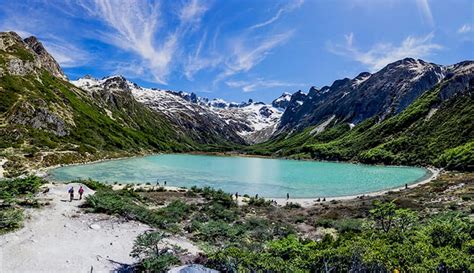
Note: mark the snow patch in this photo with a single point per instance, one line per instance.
(431, 113)
(321, 127)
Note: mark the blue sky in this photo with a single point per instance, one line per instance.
(240, 49)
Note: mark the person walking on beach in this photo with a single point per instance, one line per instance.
(71, 193)
(81, 191)
(287, 196)
(165, 183)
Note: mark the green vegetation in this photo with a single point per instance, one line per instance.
(409, 138)
(392, 240)
(14, 195)
(152, 258)
(131, 205)
(261, 237)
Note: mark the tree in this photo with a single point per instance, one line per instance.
(383, 215)
(152, 257)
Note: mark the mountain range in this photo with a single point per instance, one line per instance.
(410, 112)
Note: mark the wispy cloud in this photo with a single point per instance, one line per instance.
(244, 53)
(137, 27)
(287, 8)
(134, 25)
(192, 11)
(425, 10)
(196, 62)
(244, 56)
(466, 28)
(249, 86)
(67, 54)
(382, 54)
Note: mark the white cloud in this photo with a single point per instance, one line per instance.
(382, 54)
(249, 86)
(192, 11)
(195, 62)
(287, 8)
(66, 54)
(245, 56)
(349, 38)
(465, 28)
(425, 10)
(137, 28)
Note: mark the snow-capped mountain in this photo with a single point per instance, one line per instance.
(382, 94)
(248, 122)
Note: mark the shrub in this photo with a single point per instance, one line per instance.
(10, 219)
(152, 257)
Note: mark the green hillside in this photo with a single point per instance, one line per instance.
(445, 139)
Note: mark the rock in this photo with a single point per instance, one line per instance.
(95, 226)
(43, 59)
(192, 268)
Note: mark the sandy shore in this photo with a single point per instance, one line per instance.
(62, 238)
(307, 202)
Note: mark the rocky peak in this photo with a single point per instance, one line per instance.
(362, 77)
(43, 58)
(282, 101)
(27, 56)
(8, 40)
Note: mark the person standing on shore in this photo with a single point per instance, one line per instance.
(71, 194)
(287, 196)
(81, 191)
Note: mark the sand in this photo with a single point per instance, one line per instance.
(62, 238)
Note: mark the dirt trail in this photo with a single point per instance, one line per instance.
(61, 238)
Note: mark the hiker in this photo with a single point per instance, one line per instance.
(71, 194)
(81, 191)
(256, 196)
(406, 186)
(236, 195)
(165, 182)
(287, 196)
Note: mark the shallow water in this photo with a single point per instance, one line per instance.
(267, 177)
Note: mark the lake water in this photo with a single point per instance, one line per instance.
(267, 177)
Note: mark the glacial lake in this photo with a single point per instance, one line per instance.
(266, 177)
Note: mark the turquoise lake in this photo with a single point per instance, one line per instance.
(266, 177)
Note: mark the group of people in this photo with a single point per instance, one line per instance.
(71, 193)
(158, 183)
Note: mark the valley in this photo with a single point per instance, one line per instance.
(409, 113)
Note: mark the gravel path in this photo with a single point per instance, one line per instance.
(61, 238)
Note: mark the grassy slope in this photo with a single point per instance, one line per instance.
(446, 139)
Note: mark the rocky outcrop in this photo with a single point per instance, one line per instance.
(27, 56)
(43, 59)
(38, 117)
(282, 101)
